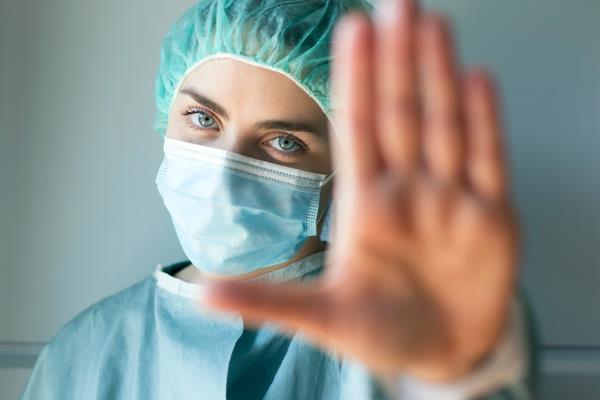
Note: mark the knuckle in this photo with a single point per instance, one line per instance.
(448, 120)
(400, 105)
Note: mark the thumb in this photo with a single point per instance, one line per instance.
(295, 306)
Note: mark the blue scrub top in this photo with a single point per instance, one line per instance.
(152, 341)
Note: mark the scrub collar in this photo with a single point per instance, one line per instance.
(195, 291)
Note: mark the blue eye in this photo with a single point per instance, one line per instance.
(203, 120)
(285, 144)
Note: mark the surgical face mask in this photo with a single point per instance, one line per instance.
(234, 214)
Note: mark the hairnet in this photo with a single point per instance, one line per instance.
(292, 37)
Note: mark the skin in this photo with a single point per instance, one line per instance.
(220, 104)
(423, 287)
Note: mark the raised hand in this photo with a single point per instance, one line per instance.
(424, 254)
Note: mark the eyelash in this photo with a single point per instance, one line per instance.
(196, 110)
(288, 154)
(303, 147)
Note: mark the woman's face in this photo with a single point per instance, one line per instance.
(249, 110)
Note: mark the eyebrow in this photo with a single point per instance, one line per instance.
(205, 100)
(297, 126)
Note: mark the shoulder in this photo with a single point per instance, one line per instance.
(103, 320)
(79, 351)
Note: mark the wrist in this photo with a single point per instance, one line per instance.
(454, 362)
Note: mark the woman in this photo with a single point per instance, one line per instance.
(415, 292)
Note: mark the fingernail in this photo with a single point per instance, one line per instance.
(386, 10)
(392, 11)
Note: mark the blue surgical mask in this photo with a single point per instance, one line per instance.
(234, 214)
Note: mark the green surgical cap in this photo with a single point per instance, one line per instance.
(292, 37)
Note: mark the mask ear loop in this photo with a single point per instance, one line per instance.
(329, 205)
(328, 208)
(325, 209)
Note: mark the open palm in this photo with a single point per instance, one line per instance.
(425, 245)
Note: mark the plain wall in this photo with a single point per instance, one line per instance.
(85, 218)
(80, 217)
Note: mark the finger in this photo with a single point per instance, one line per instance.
(442, 119)
(486, 161)
(352, 97)
(297, 307)
(397, 106)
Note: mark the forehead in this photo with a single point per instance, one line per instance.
(241, 86)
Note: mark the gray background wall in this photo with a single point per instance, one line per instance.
(80, 217)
